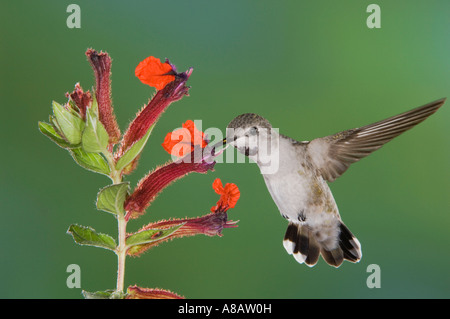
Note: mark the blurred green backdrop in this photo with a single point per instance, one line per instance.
(312, 68)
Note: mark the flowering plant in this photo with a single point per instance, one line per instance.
(86, 127)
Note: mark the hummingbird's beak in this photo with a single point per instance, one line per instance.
(222, 144)
(219, 144)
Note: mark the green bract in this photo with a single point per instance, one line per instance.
(49, 131)
(94, 138)
(70, 123)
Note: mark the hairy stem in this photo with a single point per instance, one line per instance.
(121, 253)
(121, 249)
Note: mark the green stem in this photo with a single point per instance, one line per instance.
(115, 175)
(121, 249)
(121, 253)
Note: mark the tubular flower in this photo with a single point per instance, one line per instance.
(182, 141)
(101, 64)
(152, 184)
(211, 224)
(229, 196)
(149, 114)
(135, 292)
(154, 73)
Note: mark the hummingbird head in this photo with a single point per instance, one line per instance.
(246, 132)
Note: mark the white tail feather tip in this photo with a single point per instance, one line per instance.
(289, 246)
(300, 258)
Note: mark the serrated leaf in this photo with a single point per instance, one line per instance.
(148, 236)
(71, 125)
(111, 198)
(84, 235)
(133, 151)
(95, 137)
(90, 161)
(49, 131)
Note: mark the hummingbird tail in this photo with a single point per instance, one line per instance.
(349, 244)
(349, 248)
(301, 242)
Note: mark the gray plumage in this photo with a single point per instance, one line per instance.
(299, 184)
(249, 119)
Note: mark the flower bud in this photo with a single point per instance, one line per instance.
(101, 64)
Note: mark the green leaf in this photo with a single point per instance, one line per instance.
(107, 294)
(95, 137)
(49, 131)
(148, 236)
(133, 151)
(97, 294)
(55, 124)
(111, 198)
(71, 125)
(90, 161)
(88, 236)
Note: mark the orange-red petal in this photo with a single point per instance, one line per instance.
(180, 140)
(217, 186)
(232, 192)
(187, 133)
(154, 73)
(229, 195)
(169, 142)
(197, 137)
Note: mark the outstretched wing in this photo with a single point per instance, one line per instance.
(333, 154)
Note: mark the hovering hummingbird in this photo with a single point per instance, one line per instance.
(299, 184)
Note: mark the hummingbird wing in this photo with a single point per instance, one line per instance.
(333, 154)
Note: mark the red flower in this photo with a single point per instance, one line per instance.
(154, 73)
(229, 196)
(211, 224)
(152, 184)
(150, 113)
(185, 138)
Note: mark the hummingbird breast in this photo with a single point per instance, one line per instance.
(305, 199)
(299, 191)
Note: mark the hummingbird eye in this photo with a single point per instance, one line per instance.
(253, 130)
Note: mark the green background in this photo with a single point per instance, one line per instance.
(312, 68)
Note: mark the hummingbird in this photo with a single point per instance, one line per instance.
(299, 183)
